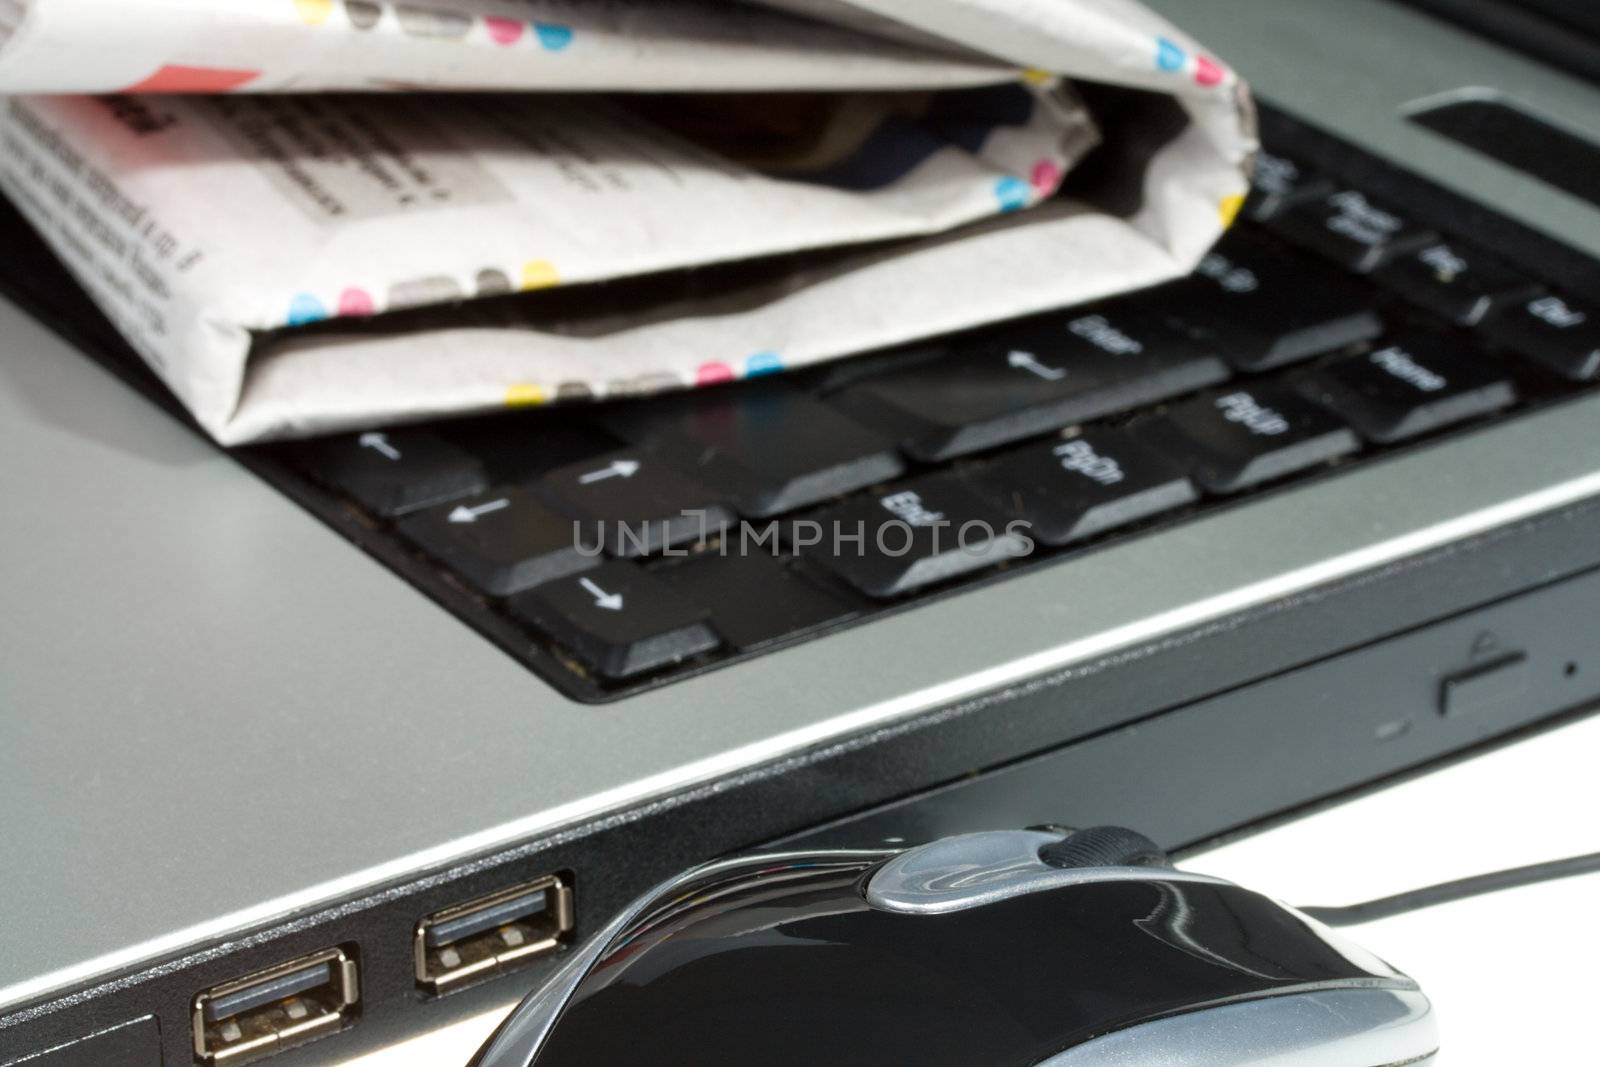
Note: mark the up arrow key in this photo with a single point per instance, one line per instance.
(379, 443)
(602, 599)
(1020, 360)
(622, 468)
(397, 472)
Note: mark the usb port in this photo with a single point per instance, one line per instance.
(246, 1019)
(492, 934)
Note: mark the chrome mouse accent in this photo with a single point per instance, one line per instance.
(1329, 1028)
(973, 870)
(518, 1040)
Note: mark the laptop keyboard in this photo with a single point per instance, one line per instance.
(627, 545)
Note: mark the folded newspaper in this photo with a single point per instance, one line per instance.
(641, 194)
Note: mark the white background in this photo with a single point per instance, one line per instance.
(1513, 976)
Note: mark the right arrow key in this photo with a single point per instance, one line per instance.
(618, 620)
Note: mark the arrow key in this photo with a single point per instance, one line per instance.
(501, 542)
(396, 472)
(618, 620)
(633, 504)
(767, 448)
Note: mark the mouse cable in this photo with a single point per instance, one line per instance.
(1446, 892)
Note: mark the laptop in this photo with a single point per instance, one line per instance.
(301, 754)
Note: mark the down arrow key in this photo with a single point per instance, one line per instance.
(618, 619)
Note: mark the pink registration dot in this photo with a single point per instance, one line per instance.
(712, 373)
(503, 30)
(1046, 176)
(355, 303)
(1208, 71)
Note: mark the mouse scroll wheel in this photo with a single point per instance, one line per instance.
(1104, 846)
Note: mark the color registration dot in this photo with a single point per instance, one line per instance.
(355, 303)
(540, 274)
(1230, 207)
(553, 36)
(713, 374)
(1170, 56)
(305, 308)
(524, 395)
(762, 363)
(313, 12)
(1047, 177)
(503, 30)
(1013, 193)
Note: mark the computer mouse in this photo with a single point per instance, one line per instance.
(1003, 949)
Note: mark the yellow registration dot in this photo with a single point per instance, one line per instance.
(314, 12)
(539, 274)
(1230, 208)
(524, 395)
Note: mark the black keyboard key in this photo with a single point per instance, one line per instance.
(634, 504)
(501, 542)
(1264, 305)
(767, 449)
(1034, 379)
(1455, 281)
(925, 531)
(395, 472)
(518, 448)
(618, 620)
(755, 599)
(1352, 230)
(1420, 383)
(1278, 184)
(1071, 490)
(1559, 333)
(1232, 441)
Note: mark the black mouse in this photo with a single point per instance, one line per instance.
(1004, 949)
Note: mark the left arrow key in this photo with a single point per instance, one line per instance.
(501, 542)
(395, 472)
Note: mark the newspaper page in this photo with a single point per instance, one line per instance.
(214, 46)
(297, 264)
